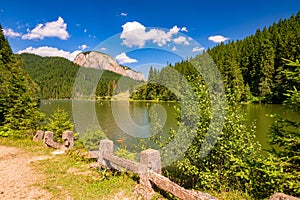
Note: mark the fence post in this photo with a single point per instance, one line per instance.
(68, 138)
(48, 137)
(39, 135)
(151, 158)
(106, 147)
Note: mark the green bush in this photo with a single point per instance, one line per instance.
(58, 123)
(91, 139)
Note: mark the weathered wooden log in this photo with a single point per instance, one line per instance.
(39, 136)
(106, 148)
(68, 138)
(151, 158)
(282, 196)
(180, 192)
(149, 170)
(48, 140)
(122, 164)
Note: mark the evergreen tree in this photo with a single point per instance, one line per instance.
(18, 103)
(285, 133)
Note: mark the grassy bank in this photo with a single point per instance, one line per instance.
(67, 177)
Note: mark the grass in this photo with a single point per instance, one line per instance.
(66, 177)
(230, 195)
(69, 176)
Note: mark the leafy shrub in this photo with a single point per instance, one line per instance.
(91, 139)
(124, 153)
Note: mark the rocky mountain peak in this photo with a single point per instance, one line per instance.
(103, 61)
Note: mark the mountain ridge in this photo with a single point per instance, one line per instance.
(98, 60)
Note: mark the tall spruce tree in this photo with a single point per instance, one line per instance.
(18, 106)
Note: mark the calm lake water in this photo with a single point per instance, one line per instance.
(128, 121)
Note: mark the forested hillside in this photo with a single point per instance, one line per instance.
(251, 68)
(55, 77)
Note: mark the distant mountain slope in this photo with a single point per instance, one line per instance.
(97, 60)
(55, 77)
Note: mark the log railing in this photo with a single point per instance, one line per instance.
(149, 170)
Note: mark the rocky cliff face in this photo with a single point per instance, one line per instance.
(103, 61)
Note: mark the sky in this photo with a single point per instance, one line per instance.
(137, 33)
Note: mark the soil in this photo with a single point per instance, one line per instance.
(18, 180)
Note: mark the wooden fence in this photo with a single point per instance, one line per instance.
(149, 170)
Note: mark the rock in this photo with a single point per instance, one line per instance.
(102, 61)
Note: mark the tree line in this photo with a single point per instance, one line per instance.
(56, 76)
(251, 68)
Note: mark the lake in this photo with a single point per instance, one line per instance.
(126, 121)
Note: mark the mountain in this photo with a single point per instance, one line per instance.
(97, 60)
(56, 76)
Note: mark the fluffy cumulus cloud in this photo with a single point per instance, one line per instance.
(56, 28)
(123, 14)
(218, 38)
(10, 33)
(83, 47)
(123, 59)
(135, 34)
(181, 40)
(198, 49)
(50, 51)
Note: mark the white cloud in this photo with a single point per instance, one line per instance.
(83, 47)
(50, 51)
(123, 59)
(174, 49)
(85, 30)
(135, 34)
(184, 29)
(103, 49)
(181, 40)
(198, 49)
(10, 33)
(174, 30)
(218, 38)
(49, 29)
(124, 14)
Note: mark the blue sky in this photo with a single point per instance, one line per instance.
(122, 28)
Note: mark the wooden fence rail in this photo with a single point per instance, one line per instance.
(149, 170)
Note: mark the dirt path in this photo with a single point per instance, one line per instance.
(17, 178)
